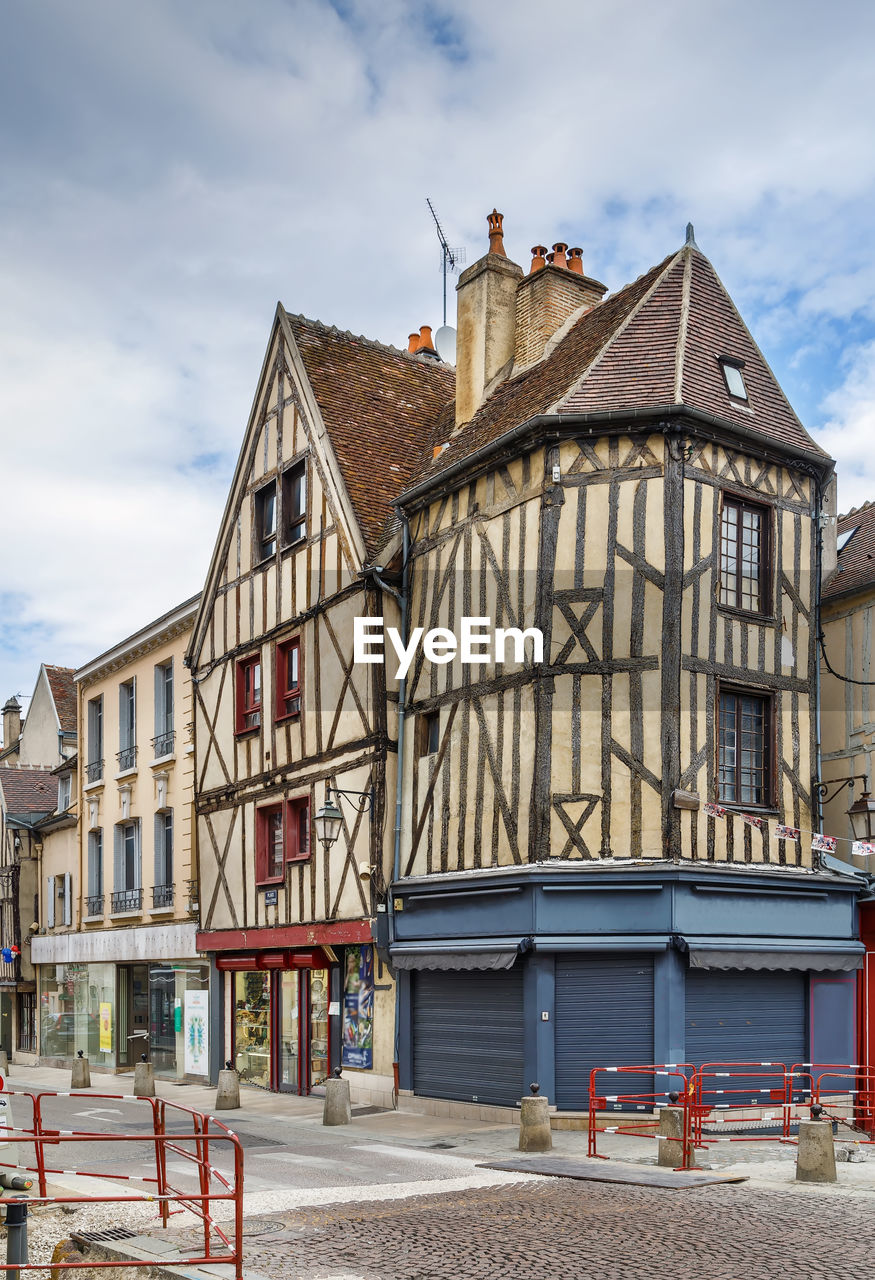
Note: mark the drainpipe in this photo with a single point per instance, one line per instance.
(818, 557)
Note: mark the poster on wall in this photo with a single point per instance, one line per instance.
(196, 1033)
(358, 1008)
(106, 1028)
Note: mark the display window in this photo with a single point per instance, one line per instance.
(281, 1028)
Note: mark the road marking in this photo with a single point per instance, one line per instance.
(100, 1111)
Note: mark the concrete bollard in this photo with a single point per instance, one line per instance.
(228, 1093)
(144, 1079)
(80, 1077)
(815, 1153)
(671, 1139)
(4, 1063)
(535, 1132)
(337, 1109)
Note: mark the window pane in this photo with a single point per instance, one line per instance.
(728, 555)
(275, 843)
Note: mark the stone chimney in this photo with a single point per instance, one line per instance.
(486, 321)
(11, 722)
(554, 290)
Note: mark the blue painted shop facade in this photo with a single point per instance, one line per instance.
(507, 976)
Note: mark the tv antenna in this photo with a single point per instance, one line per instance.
(451, 259)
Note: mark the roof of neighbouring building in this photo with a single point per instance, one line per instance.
(856, 559)
(28, 793)
(380, 406)
(64, 693)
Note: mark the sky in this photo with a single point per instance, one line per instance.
(169, 170)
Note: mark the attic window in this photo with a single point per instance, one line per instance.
(845, 537)
(734, 378)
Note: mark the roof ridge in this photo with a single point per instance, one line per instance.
(855, 511)
(411, 356)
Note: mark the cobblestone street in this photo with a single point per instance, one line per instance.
(548, 1228)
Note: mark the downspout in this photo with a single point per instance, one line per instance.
(818, 558)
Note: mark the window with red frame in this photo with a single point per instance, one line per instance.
(288, 679)
(248, 694)
(298, 830)
(269, 845)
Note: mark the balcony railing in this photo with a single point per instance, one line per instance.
(128, 900)
(162, 895)
(94, 904)
(94, 770)
(163, 744)
(127, 758)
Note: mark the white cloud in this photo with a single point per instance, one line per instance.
(850, 429)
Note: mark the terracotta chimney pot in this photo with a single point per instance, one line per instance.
(557, 257)
(539, 261)
(413, 343)
(575, 261)
(496, 243)
(425, 342)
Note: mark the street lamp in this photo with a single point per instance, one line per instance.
(329, 819)
(862, 815)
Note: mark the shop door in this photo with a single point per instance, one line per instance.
(132, 1002)
(604, 1018)
(301, 1034)
(468, 1035)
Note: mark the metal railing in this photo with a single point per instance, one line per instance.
(127, 900)
(162, 895)
(127, 758)
(94, 904)
(94, 770)
(162, 745)
(197, 1149)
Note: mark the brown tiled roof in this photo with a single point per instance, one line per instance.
(64, 693)
(28, 792)
(856, 560)
(379, 406)
(654, 343)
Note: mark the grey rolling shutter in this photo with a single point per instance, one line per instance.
(50, 902)
(468, 1035)
(68, 905)
(604, 1018)
(118, 860)
(745, 1016)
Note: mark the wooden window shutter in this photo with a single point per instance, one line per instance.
(119, 860)
(50, 902)
(68, 905)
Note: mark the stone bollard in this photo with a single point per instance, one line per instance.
(144, 1079)
(535, 1132)
(671, 1137)
(337, 1109)
(81, 1075)
(228, 1093)
(4, 1063)
(815, 1153)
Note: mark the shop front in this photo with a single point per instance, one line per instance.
(115, 1010)
(294, 1013)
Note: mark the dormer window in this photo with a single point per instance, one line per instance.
(845, 537)
(734, 378)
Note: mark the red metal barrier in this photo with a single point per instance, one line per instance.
(856, 1094)
(205, 1130)
(677, 1072)
(739, 1081)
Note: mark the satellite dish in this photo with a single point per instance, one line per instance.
(445, 343)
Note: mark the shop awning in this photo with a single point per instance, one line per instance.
(773, 953)
(602, 942)
(498, 953)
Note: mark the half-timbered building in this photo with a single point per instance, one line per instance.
(589, 873)
(287, 724)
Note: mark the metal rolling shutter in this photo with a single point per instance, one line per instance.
(604, 1018)
(745, 1016)
(468, 1035)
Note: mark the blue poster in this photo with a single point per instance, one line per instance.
(358, 1008)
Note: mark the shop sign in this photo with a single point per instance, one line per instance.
(358, 1008)
(196, 1031)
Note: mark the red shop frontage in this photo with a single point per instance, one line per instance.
(282, 1000)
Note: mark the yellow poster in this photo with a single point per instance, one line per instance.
(105, 1028)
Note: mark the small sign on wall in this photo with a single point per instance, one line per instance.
(271, 897)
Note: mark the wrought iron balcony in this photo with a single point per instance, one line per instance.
(127, 758)
(128, 900)
(94, 904)
(94, 770)
(163, 744)
(162, 895)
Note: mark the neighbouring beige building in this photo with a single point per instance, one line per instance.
(119, 973)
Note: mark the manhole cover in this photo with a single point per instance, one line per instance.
(111, 1233)
(260, 1226)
